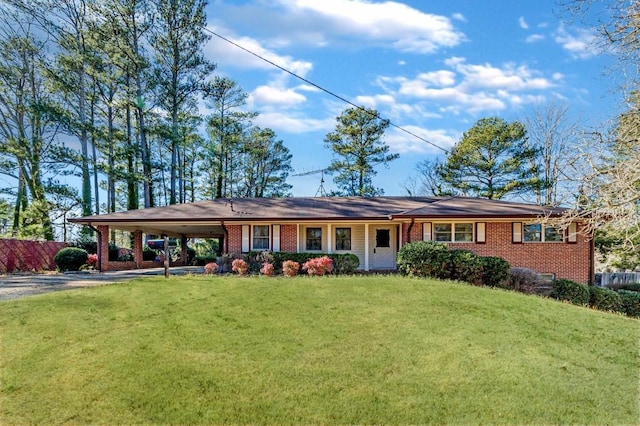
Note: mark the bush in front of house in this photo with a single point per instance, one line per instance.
(604, 299)
(571, 291)
(290, 268)
(424, 259)
(343, 263)
(629, 303)
(495, 270)
(625, 286)
(318, 266)
(71, 258)
(524, 280)
(465, 266)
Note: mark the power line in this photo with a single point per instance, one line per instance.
(317, 86)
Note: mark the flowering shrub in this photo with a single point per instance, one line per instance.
(267, 269)
(92, 260)
(318, 266)
(240, 267)
(211, 268)
(290, 268)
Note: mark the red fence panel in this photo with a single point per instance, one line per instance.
(24, 255)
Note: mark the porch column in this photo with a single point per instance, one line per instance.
(329, 240)
(137, 248)
(103, 248)
(366, 246)
(298, 238)
(183, 250)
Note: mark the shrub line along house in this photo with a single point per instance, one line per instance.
(373, 228)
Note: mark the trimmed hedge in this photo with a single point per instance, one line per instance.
(571, 291)
(424, 259)
(343, 263)
(630, 303)
(433, 259)
(604, 299)
(71, 259)
(495, 270)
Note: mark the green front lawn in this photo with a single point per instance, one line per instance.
(366, 349)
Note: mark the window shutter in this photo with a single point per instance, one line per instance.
(572, 236)
(426, 231)
(276, 238)
(245, 238)
(481, 232)
(517, 232)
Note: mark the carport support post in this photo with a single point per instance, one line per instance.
(166, 256)
(137, 248)
(183, 250)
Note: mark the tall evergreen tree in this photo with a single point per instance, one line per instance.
(358, 147)
(180, 68)
(491, 161)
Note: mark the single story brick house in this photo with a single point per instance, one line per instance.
(373, 228)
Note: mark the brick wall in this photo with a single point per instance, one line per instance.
(234, 239)
(24, 255)
(289, 238)
(564, 260)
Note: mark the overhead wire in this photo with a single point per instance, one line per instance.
(327, 91)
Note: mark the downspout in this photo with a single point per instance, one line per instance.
(592, 250)
(226, 237)
(413, 221)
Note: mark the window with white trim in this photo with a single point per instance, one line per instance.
(343, 238)
(314, 239)
(453, 232)
(261, 238)
(536, 232)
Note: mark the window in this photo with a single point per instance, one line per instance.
(464, 232)
(314, 239)
(261, 237)
(442, 231)
(453, 232)
(383, 238)
(535, 232)
(343, 238)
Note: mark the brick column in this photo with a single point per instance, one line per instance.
(137, 248)
(183, 250)
(103, 248)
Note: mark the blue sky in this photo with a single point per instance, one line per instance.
(432, 67)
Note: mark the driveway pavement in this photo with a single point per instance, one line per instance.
(14, 286)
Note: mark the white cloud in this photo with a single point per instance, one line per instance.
(523, 24)
(292, 123)
(230, 55)
(389, 22)
(533, 38)
(403, 142)
(459, 17)
(469, 88)
(271, 95)
(581, 44)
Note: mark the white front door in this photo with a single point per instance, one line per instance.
(384, 251)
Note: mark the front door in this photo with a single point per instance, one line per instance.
(384, 253)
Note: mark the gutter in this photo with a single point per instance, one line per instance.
(226, 237)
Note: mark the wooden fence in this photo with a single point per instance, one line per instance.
(24, 255)
(604, 279)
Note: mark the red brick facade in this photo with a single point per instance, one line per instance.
(564, 260)
(234, 239)
(289, 238)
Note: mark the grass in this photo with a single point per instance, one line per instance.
(373, 349)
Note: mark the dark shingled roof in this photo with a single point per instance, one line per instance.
(301, 208)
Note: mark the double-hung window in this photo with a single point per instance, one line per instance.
(343, 238)
(261, 237)
(536, 232)
(314, 239)
(453, 232)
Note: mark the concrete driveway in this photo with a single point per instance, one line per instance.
(14, 286)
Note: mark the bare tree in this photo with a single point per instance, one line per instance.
(552, 133)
